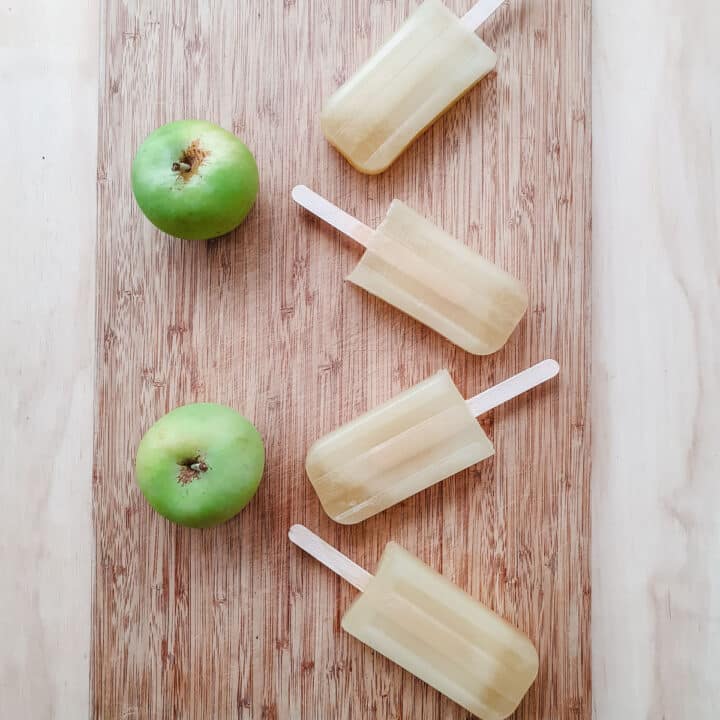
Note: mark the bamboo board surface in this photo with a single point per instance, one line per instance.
(234, 622)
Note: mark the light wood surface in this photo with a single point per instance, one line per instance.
(48, 86)
(235, 622)
(656, 459)
(654, 201)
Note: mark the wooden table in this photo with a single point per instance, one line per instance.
(656, 545)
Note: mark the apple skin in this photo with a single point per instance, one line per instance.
(226, 451)
(194, 180)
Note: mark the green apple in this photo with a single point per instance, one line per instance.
(200, 464)
(194, 180)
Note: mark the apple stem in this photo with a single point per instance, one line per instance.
(181, 166)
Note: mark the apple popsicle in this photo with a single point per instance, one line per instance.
(424, 68)
(420, 269)
(420, 620)
(409, 443)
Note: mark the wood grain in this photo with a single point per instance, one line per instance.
(234, 622)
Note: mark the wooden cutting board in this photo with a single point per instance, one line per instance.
(234, 622)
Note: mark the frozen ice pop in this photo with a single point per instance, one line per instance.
(418, 619)
(421, 270)
(409, 443)
(424, 68)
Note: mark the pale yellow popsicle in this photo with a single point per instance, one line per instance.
(424, 623)
(417, 618)
(420, 269)
(418, 438)
(423, 69)
(409, 443)
(412, 264)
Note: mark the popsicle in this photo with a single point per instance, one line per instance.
(420, 620)
(409, 443)
(424, 68)
(428, 274)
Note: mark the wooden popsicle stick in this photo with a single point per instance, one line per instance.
(479, 13)
(329, 556)
(512, 387)
(332, 214)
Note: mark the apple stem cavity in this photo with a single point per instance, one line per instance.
(191, 469)
(190, 160)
